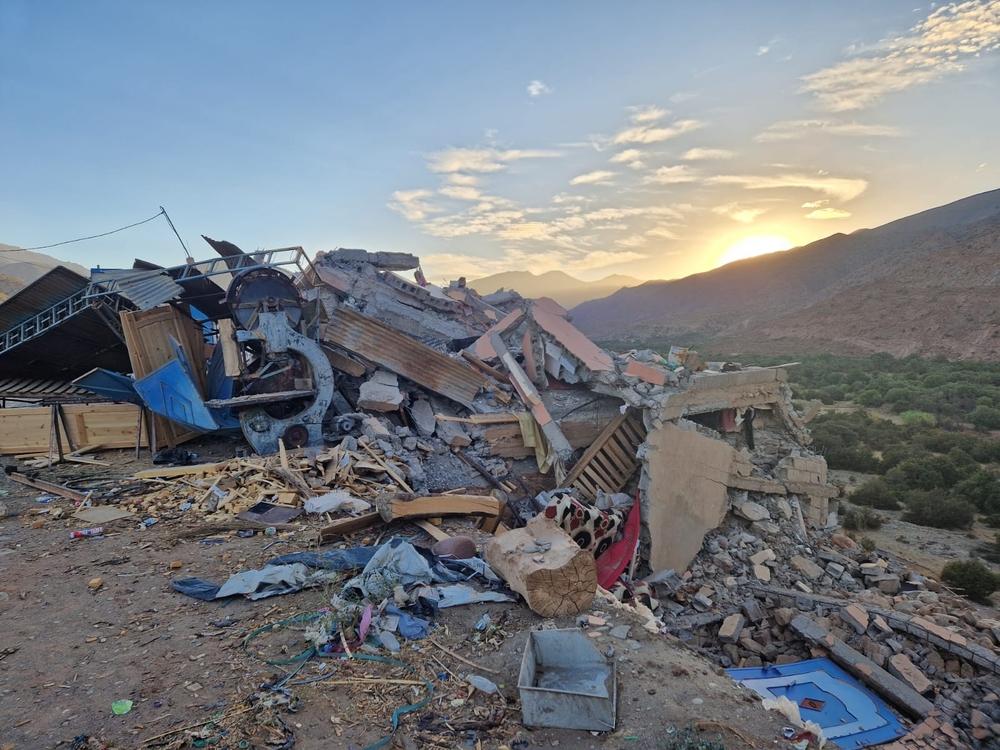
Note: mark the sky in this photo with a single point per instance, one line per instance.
(655, 139)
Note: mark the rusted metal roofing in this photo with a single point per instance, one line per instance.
(404, 356)
(48, 289)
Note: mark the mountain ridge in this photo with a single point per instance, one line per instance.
(565, 289)
(938, 267)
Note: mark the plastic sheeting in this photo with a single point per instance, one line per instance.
(850, 714)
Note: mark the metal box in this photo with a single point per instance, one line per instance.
(565, 682)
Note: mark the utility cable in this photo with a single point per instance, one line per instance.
(160, 213)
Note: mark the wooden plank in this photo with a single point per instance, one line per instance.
(340, 361)
(230, 349)
(526, 389)
(26, 430)
(581, 464)
(433, 531)
(55, 489)
(168, 472)
(147, 337)
(429, 506)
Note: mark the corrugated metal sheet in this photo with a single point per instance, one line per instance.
(404, 356)
(144, 289)
(48, 289)
(38, 388)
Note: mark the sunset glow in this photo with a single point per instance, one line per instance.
(758, 244)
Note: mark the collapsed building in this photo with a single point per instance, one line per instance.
(446, 388)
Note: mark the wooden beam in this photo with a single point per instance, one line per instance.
(55, 489)
(522, 383)
(230, 349)
(176, 471)
(429, 506)
(433, 531)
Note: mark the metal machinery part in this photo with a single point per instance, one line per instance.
(266, 304)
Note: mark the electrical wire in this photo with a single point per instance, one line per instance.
(102, 234)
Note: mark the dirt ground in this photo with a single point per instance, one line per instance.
(70, 649)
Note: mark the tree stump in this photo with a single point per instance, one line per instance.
(543, 564)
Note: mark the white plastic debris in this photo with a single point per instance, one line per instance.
(334, 501)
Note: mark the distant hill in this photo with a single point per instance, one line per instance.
(926, 284)
(563, 288)
(20, 267)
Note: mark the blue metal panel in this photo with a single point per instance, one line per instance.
(170, 391)
(109, 384)
(850, 715)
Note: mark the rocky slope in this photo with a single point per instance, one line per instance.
(925, 284)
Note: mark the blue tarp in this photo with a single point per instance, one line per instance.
(850, 715)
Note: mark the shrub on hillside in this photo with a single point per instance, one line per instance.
(875, 493)
(982, 489)
(972, 578)
(915, 474)
(861, 519)
(930, 508)
(985, 418)
(918, 418)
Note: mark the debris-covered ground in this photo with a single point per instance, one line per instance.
(73, 650)
(422, 517)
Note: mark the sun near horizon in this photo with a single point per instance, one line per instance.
(754, 245)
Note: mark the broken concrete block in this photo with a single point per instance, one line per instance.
(784, 508)
(783, 615)
(652, 375)
(806, 567)
(836, 570)
(753, 611)
(752, 511)
(904, 669)
(380, 392)
(423, 417)
(888, 584)
(762, 557)
(453, 434)
(374, 428)
(855, 616)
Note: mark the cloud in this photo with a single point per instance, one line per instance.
(462, 179)
(682, 96)
(647, 113)
(671, 175)
(630, 157)
(663, 232)
(538, 88)
(481, 160)
(413, 204)
(654, 133)
(738, 212)
(939, 45)
(461, 192)
(597, 177)
(828, 213)
(632, 240)
(815, 204)
(841, 188)
(788, 130)
(704, 154)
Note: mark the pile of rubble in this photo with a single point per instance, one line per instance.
(685, 488)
